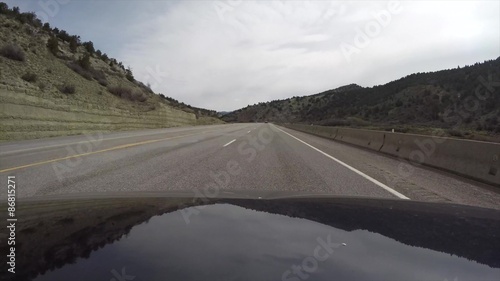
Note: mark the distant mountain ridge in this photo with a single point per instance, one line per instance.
(346, 88)
(464, 98)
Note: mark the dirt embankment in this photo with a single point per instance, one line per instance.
(24, 115)
(46, 93)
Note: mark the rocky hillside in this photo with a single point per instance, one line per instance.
(463, 100)
(53, 83)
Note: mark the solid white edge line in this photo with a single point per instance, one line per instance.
(229, 143)
(392, 191)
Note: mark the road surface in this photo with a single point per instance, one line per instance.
(233, 157)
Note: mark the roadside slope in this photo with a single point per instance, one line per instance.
(73, 88)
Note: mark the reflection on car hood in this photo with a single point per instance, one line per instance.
(178, 238)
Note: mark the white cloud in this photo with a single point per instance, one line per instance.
(250, 52)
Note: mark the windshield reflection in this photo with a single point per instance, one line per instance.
(257, 239)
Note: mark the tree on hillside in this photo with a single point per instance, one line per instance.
(4, 8)
(84, 61)
(53, 45)
(73, 43)
(27, 18)
(129, 75)
(64, 36)
(89, 46)
(46, 27)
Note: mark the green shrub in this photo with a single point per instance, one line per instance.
(89, 46)
(146, 88)
(4, 9)
(42, 86)
(138, 96)
(73, 44)
(127, 93)
(67, 88)
(129, 75)
(97, 74)
(84, 61)
(29, 77)
(455, 133)
(78, 69)
(120, 91)
(88, 73)
(46, 27)
(13, 52)
(103, 82)
(64, 36)
(53, 45)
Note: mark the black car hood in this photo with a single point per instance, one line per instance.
(173, 237)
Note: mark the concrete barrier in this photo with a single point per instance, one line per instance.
(323, 131)
(472, 159)
(370, 139)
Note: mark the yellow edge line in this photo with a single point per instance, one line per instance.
(94, 152)
(71, 143)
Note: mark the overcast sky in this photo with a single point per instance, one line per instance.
(224, 55)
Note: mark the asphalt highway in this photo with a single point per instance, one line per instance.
(231, 158)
